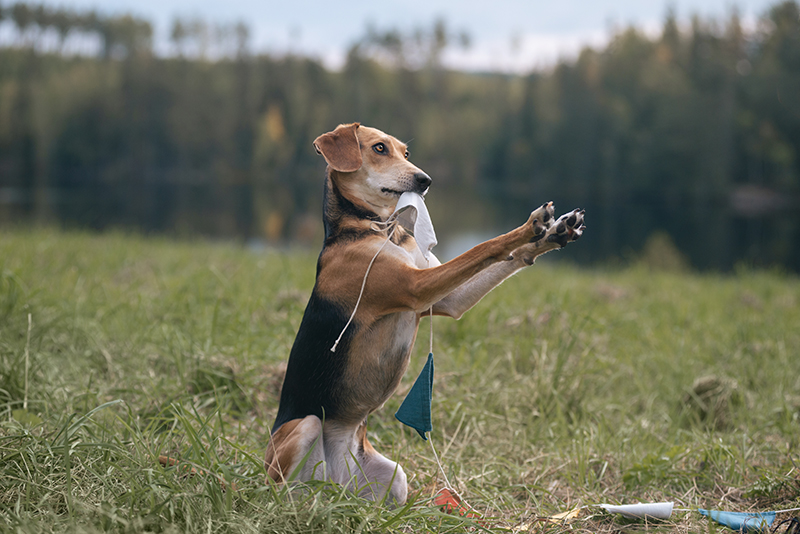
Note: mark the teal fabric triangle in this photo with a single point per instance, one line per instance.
(416, 408)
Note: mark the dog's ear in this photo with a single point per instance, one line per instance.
(340, 148)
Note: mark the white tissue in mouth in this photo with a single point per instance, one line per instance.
(412, 214)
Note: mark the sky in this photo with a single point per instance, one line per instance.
(506, 35)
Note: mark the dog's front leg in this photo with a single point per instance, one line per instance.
(408, 288)
(404, 287)
(567, 228)
(468, 294)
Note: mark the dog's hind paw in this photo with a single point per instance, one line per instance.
(567, 228)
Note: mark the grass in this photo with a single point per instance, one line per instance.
(563, 388)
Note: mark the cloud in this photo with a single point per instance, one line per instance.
(521, 53)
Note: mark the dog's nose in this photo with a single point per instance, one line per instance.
(422, 180)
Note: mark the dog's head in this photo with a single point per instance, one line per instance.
(370, 167)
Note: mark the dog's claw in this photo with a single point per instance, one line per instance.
(577, 233)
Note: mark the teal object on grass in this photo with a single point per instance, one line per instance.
(416, 408)
(741, 521)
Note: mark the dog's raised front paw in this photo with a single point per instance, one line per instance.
(544, 214)
(541, 220)
(569, 227)
(553, 234)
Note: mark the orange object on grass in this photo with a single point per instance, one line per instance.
(450, 502)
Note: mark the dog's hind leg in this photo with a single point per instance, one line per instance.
(297, 443)
(379, 477)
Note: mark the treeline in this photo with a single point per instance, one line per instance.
(694, 133)
(49, 29)
(41, 27)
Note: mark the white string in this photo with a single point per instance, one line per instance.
(447, 484)
(784, 511)
(363, 284)
(431, 315)
(764, 512)
(430, 351)
(431, 338)
(436, 457)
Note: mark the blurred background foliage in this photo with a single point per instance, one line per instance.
(687, 141)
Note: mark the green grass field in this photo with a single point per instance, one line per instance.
(565, 387)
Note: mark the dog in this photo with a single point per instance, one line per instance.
(320, 431)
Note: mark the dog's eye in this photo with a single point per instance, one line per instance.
(406, 154)
(380, 148)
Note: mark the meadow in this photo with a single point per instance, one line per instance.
(566, 387)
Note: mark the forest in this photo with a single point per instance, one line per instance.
(688, 138)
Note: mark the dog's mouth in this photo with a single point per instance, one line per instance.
(397, 193)
(391, 191)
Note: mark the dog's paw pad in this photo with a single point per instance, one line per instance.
(569, 227)
(559, 239)
(539, 230)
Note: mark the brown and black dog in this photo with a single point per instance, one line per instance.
(320, 431)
